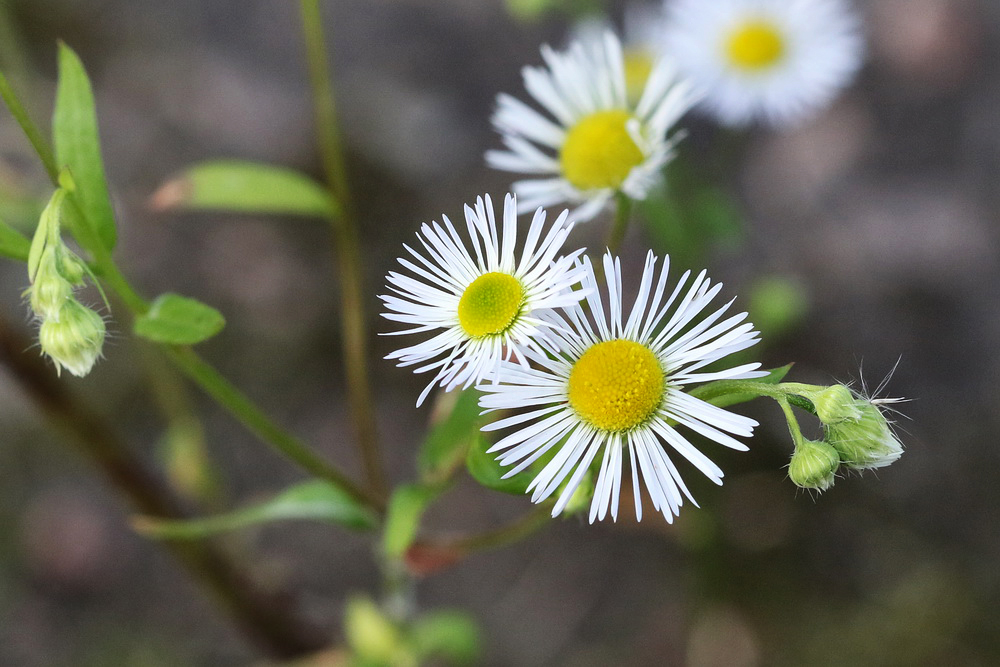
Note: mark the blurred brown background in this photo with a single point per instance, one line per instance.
(884, 210)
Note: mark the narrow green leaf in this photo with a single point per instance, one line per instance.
(406, 507)
(315, 500)
(13, 243)
(178, 320)
(446, 444)
(78, 146)
(452, 635)
(484, 469)
(773, 376)
(250, 187)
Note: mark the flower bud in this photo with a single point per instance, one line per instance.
(50, 291)
(814, 465)
(74, 339)
(866, 442)
(833, 404)
(70, 266)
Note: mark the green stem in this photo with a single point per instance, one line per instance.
(793, 422)
(30, 130)
(623, 211)
(505, 535)
(346, 247)
(723, 388)
(250, 416)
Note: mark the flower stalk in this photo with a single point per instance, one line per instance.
(346, 248)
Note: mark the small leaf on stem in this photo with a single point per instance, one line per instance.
(246, 187)
(178, 320)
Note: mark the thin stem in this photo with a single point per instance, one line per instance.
(623, 211)
(714, 391)
(270, 618)
(346, 247)
(241, 407)
(30, 130)
(793, 422)
(505, 535)
(226, 394)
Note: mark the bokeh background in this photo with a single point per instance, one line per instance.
(881, 212)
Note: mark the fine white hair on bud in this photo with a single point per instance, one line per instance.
(75, 339)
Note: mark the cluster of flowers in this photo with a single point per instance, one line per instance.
(549, 336)
(742, 61)
(71, 334)
(533, 332)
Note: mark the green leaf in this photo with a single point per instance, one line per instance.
(446, 445)
(406, 507)
(13, 243)
(314, 500)
(78, 147)
(232, 185)
(485, 470)
(773, 376)
(452, 635)
(178, 320)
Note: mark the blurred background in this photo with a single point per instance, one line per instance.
(874, 225)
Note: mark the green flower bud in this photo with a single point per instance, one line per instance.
(70, 266)
(866, 442)
(74, 339)
(814, 465)
(50, 291)
(833, 404)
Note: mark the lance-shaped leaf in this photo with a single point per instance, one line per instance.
(249, 187)
(315, 500)
(13, 243)
(78, 148)
(446, 445)
(178, 320)
(484, 469)
(406, 507)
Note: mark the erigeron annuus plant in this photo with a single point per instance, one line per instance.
(558, 373)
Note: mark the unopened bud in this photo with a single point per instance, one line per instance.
(814, 465)
(73, 340)
(50, 291)
(833, 404)
(866, 442)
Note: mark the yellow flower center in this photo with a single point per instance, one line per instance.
(638, 67)
(598, 151)
(616, 385)
(490, 304)
(755, 45)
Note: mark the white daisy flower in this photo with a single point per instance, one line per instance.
(480, 305)
(598, 143)
(617, 389)
(642, 42)
(774, 61)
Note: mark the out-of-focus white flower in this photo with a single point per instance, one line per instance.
(774, 61)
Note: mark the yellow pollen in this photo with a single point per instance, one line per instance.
(616, 385)
(598, 151)
(490, 304)
(755, 45)
(638, 67)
